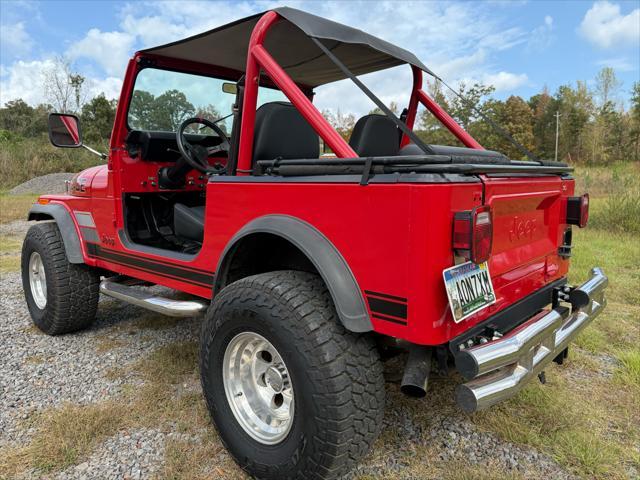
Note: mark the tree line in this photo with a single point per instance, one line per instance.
(593, 126)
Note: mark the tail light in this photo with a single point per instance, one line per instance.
(473, 234)
(578, 210)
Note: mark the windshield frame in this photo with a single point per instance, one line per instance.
(200, 70)
(195, 72)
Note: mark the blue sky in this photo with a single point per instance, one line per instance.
(518, 46)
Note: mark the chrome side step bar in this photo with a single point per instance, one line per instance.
(150, 301)
(499, 369)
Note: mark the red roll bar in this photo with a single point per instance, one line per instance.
(418, 95)
(258, 58)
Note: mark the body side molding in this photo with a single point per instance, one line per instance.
(65, 224)
(333, 269)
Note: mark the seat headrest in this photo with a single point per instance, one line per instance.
(282, 132)
(375, 136)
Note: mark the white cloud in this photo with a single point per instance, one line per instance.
(110, 50)
(24, 80)
(604, 26)
(460, 66)
(110, 86)
(618, 63)
(392, 85)
(542, 36)
(14, 41)
(505, 81)
(459, 41)
(155, 23)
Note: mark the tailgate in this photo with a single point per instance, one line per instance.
(528, 224)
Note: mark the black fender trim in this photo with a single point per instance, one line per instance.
(333, 269)
(65, 223)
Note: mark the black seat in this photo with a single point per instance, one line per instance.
(188, 222)
(375, 136)
(282, 132)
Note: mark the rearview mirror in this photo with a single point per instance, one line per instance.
(231, 88)
(64, 130)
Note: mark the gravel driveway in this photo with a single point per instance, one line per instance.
(39, 372)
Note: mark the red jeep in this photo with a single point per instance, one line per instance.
(309, 269)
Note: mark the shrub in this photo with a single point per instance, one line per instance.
(24, 158)
(619, 212)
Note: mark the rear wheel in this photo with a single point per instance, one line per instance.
(62, 297)
(292, 393)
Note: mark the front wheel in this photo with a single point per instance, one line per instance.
(62, 297)
(291, 392)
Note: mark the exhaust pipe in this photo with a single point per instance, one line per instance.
(416, 372)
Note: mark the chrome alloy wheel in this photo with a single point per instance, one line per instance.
(37, 280)
(258, 388)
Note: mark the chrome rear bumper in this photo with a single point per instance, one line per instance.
(500, 368)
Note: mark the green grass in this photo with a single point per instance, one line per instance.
(601, 181)
(23, 159)
(63, 437)
(15, 207)
(615, 196)
(168, 364)
(619, 213)
(629, 370)
(617, 254)
(10, 247)
(574, 427)
(66, 435)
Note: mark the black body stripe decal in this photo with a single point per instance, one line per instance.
(389, 319)
(387, 307)
(155, 272)
(154, 260)
(387, 296)
(165, 270)
(392, 309)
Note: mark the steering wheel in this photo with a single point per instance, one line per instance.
(197, 155)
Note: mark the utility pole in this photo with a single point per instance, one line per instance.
(557, 115)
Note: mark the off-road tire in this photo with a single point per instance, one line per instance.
(336, 375)
(72, 289)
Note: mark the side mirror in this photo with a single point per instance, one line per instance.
(64, 130)
(228, 87)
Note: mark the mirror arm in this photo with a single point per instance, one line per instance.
(103, 156)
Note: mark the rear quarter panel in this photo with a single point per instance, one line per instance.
(396, 238)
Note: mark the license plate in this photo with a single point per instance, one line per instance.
(469, 289)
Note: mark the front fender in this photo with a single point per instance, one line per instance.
(333, 269)
(65, 223)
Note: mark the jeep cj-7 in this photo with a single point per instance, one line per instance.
(310, 269)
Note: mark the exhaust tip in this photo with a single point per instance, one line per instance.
(416, 372)
(466, 399)
(415, 391)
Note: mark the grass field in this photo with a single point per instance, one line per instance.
(585, 416)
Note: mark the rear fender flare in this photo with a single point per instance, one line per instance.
(334, 270)
(66, 225)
